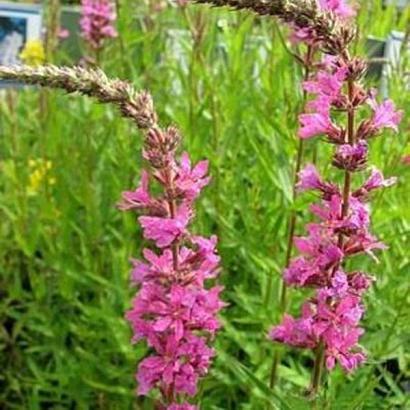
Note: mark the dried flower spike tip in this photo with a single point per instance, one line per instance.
(91, 82)
(323, 24)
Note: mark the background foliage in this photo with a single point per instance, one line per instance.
(230, 84)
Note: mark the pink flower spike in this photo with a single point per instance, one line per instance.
(97, 17)
(175, 310)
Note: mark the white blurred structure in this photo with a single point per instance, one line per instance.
(10, 48)
(394, 51)
(401, 4)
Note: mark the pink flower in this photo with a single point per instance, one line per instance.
(204, 310)
(304, 35)
(166, 230)
(158, 267)
(342, 347)
(360, 282)
(330, 211)
(376, 180)
(339, 284)
(327, 84)
(309, 178)
(155, 369)
(351, 157)
(361, 242)
(190, 181)
(63, 33)
(179, 365)
(173, 311)
(335, 324)
(311, 270)
(138, 199)
(314, 124)
(207, 249)
(330, 318)
(339, 7)
(97, 17)
(385, 115)
(296, 333)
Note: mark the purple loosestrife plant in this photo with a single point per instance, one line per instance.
(97, 22)
(329, 323)
(174, 311)
(306, 35)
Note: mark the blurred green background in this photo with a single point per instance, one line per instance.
(233, 89)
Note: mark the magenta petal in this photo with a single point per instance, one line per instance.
(162, 324)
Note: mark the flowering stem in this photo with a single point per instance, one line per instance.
(292, 218)
(349, 139)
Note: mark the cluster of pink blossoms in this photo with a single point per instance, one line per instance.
(330, 318)
(97, 18)
(174, 310)
(339, 8)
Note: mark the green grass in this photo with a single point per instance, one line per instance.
(64, 251)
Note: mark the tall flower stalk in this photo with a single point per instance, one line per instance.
(317, 25)
(329, 324)
(174, 310)
(341, 10)
(175, 307)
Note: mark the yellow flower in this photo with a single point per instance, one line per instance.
(33, 53)
(40, 174)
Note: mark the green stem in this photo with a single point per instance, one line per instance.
(317, 370)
